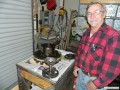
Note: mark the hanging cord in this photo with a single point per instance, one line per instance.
(62, 21)
(61, 24)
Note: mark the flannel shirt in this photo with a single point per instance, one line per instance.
(100, 54)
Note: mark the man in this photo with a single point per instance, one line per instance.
(97, 62)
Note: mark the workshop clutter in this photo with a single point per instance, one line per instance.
(51, 5)
(50, 25)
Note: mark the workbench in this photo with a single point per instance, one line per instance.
(27, 75)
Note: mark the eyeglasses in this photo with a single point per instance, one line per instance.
(96, 12)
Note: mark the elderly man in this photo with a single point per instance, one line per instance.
(97, 62)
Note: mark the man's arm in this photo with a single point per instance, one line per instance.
(111, 65)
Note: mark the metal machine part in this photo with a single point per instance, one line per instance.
(50, 61)
(70, 56)
(48, 48)
(50, 72)
(39, 55)
(49, 58)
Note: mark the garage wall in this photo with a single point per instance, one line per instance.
(15, 38)
(71, 5)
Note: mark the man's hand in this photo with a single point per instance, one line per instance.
(90, 85)
(75, 71)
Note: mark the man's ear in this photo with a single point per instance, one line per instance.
(104, 14)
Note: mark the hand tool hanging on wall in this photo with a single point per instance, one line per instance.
(62, 24)
(67, 35)
(46, 13)
(43, 1)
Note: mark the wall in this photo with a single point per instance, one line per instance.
(16, 42)
(71, 5)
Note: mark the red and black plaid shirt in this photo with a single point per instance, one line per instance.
(100, 54)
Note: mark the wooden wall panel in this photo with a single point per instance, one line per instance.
(102, 1)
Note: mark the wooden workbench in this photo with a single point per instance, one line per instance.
(26, 77)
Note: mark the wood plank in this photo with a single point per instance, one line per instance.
(102, 1)
(69, 29)
(36, 80)
(15, 88)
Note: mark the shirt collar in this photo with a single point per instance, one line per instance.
(102, 28)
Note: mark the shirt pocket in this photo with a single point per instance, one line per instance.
(83, 43)
(96, 52)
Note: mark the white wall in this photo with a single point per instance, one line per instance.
(71, 5)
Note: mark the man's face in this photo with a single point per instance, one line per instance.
(95, 15)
